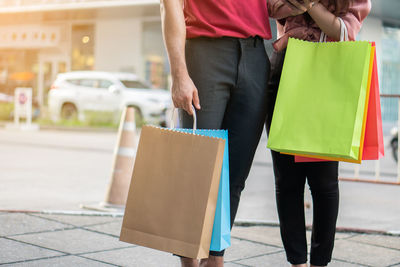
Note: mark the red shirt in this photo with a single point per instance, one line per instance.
(234, 18)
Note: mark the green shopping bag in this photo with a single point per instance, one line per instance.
(320, 103)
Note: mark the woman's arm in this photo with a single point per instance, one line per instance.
(281, 9)
(326, 21)
(358, 11)
(330, 24)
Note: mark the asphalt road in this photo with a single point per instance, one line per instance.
(55, 170)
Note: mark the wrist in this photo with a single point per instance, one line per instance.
(179, 72)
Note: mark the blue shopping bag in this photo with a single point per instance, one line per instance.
(221, 235)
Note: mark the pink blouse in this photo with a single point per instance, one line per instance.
(301, 28)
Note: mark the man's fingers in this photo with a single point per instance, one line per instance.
(182, 104)
(196, 100)
(188, 108)
(185, 95)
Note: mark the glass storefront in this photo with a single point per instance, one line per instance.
(18, 68)
(154, 55)
(82, 47)
(390, 72)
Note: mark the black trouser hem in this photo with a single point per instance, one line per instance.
(212, 253)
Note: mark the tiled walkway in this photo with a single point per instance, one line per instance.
(35, 239)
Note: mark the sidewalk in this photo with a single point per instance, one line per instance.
(49, 239)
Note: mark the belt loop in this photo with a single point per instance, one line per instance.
(257, 38)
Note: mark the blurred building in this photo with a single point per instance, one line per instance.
(383, 27)
(40, 38)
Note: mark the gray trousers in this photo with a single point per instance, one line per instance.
(231, 76)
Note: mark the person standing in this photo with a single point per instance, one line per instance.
(219, 64)
(307, 20)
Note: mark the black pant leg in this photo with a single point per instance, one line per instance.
(231, 76)
(277, 59)
(212, 66)
(290, 179)
(323, 181)
(245, 114)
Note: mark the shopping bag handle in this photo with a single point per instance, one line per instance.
(194, 118)
(344, 34)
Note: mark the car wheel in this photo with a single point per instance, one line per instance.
(69, 111)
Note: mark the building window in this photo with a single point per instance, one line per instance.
(390, 78)
(82, 47)
(154, 54)
(17, 69)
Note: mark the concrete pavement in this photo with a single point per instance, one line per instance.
(40, 239)
(53, 170)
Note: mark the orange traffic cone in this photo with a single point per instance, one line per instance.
(124, 157)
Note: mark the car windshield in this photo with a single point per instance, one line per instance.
(134, 84)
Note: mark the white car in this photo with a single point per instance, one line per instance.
(73, 93)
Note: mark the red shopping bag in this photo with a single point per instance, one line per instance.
(373, 144)
(373, 148)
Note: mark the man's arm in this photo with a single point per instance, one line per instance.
(184, 92)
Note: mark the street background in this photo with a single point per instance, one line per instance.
(47, 176)
(61, 170)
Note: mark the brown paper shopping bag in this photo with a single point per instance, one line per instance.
(173, 192)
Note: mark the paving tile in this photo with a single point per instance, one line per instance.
(136, 257)
(265, 235)
(335, 263)
(279, 259)
(366, 254)
(241, 249)
(112, 228)
(73, 241)
(64, 261)
(379, 240)
(271, 260)
(78, 220)
(231, 264)
(270, 235)
(19, 223)
(12, 251)
(339, 236)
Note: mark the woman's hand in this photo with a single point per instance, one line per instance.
(299, 8)
(326, 20)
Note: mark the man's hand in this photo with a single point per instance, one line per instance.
(184, 93)
(299, 8)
